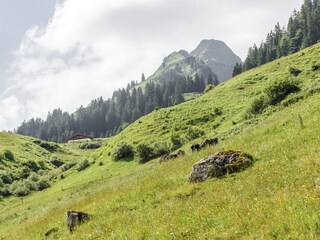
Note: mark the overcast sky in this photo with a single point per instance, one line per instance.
(66, 53)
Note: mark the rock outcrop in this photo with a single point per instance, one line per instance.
(220, 164)
(218, 56)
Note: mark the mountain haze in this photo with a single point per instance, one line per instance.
(218, 56)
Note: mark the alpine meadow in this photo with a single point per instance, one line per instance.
(187, 153)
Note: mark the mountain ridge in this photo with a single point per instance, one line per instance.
(218, 56)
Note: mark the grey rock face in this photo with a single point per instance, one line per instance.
(218, 56)
(220, 164)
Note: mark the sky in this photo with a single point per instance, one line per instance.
(65, 53)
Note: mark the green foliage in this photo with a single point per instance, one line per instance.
(123, 151)
(144, 152)
(194, 132)
(294, 71)
(55, 161)
(257, 106)
(316, 67)
(280, 90)
(32, 165)
(176, 142)
(152, 150)
(90, 145)
(19, 189)
(209, 88)
(83, 164)
(6, 177)
(8, 155)
(43, 183)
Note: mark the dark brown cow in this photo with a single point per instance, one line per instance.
(195, 147)
(172, 156)
(75, 218)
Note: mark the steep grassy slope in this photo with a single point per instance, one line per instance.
(277, 198)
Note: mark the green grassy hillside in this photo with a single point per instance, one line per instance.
(271, 112)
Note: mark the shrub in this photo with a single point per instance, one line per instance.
(280, 90)
(6, 177)
(32, 186)
(83, 164)
(49, 146)
(122, 150)
(4, 191)
(145, 152)
(151, 151)
(257, 106)
(294, 71)
(1, 183)
(33, 177)
(176, 142)
(43, 183)
(218, 111)
(67, 166)
(8, 155)
(194, 132)
(89, 145)
(19, 189)
(315, 67)
(209, 88)
(32, 165)
(56, 162)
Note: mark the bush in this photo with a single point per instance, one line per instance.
(151, 151)
(6, 177)
(280, 90)
(257, 106)
(32, 186)
(194, 132)
(8, 155)
(1, 183)
(122, 150)
(33, 177)
(294, 71)
(315, 67)
(145, 152)
(83, 164)
(176, 142)
(32, 165)
(43, 183)
(209, 88)
(89, 145)
(4, 191)
(67, 166)
(19, 189)
(56, 162)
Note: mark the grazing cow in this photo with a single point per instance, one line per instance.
(75, 218)
(195, 147)
(181, 153)
(209, 141)
(172, 156)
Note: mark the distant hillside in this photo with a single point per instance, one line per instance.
(28, 164)
(271, 112)
(218, 56)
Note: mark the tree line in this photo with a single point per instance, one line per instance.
(303, 30)
(105, 118)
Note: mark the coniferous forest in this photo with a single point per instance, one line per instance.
(105, 118)
(303, 30)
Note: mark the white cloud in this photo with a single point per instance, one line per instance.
(90, 48)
